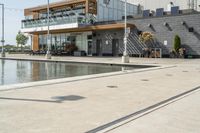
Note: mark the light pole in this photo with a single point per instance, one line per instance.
(2, 39)
(125, 57)
(48, 54)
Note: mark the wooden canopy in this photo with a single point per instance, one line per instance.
(88, 28)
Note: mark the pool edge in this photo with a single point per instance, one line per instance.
(78, 78)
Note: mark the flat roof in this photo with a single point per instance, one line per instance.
(89, 28)
(55, 4)
(60, 4)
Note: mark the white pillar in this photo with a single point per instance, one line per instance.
(125, 57)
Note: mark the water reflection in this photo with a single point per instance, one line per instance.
(22, 71)
(26, 71)
(44, 70)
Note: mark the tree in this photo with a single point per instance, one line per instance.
(21, 39)
(177, 43)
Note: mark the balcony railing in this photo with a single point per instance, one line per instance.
(56, 20)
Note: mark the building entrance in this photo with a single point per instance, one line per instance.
(99, 47)
(115, 47)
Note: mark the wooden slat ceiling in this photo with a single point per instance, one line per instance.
(88, 28)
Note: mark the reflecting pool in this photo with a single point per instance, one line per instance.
(16, 71)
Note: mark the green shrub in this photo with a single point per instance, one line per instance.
(177, 43)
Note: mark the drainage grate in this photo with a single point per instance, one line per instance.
(144, 80)
(112, 86)
(170, 75)
(68, 98)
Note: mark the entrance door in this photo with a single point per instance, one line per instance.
(89, 47)
(98, 47)
(89, 43)
(115, 47)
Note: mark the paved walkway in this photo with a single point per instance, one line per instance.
(179, 117)
(85, 105)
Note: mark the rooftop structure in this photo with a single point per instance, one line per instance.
(183, 4)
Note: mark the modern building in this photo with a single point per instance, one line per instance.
(97, 29)
(153, 4)
(78, 22)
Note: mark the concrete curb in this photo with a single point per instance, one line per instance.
(75, 61)
(75, 79)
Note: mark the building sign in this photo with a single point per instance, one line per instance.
(165, 42)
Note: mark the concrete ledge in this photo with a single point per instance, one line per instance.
(74, 61)
(78, 78)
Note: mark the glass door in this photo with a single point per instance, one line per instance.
(89, 43)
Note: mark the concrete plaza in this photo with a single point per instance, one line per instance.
(98, 104)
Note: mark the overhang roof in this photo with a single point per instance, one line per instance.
(88, 28)
(53, 5)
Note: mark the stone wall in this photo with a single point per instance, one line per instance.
(165, 28)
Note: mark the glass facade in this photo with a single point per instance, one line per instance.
(43, 42)
(30, 23)
(114, 10)
(58, 17)
(59, 42)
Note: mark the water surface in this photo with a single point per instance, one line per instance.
(16, 71)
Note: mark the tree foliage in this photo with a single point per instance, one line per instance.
(21, 39)
(177, 43)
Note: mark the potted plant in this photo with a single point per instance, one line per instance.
(71, 48)
(177, 43)
(177, 46)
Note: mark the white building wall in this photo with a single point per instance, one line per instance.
(114, 11)
(153, 4)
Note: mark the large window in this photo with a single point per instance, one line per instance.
(60, 41)
(42, 42)
(115, 10)
(56, 42)
(63, 42)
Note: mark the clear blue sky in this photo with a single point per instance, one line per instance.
(13, 17)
